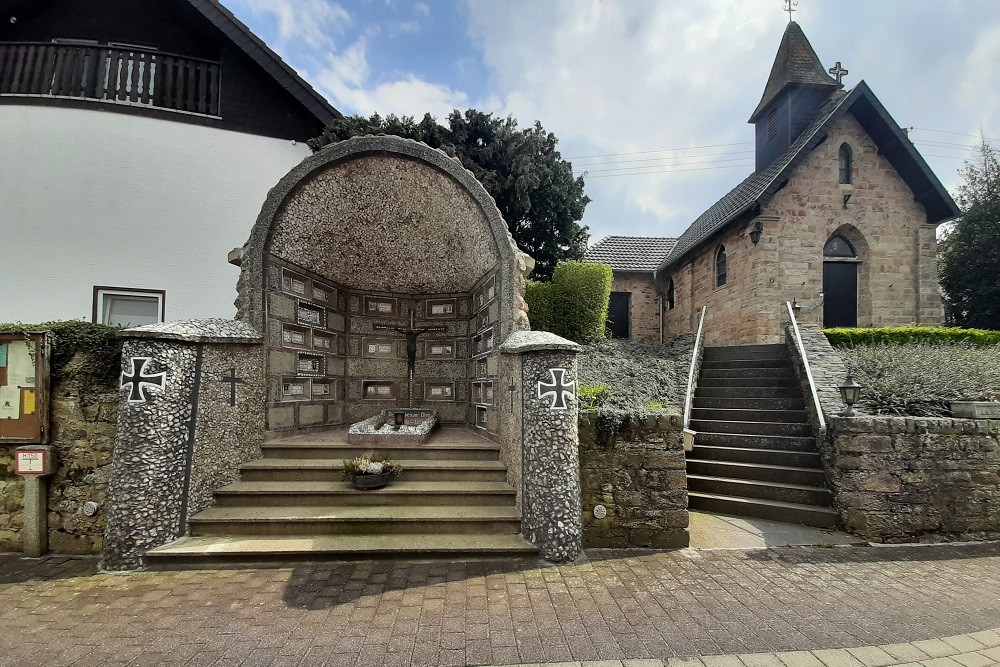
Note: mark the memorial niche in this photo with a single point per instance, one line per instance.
(421, 280)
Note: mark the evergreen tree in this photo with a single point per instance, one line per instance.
(970, 253)
(532, 184)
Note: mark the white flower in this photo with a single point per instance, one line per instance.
(374, 467)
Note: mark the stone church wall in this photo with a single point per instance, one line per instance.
(644, 316)
(897, 278)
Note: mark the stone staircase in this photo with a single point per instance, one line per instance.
(451, 501)
(755, 452)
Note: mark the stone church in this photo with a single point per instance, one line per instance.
(839, 215)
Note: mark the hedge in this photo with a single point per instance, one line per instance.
(844, 337)
(574, 304)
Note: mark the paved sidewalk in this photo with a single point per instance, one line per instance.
(617, 606)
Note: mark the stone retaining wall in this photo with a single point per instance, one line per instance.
(640, 478)
(83, 426)
(903, 479)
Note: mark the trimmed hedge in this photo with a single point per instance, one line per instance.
(575, 304)
(909, 334)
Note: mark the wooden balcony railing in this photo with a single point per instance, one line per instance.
(123, 75)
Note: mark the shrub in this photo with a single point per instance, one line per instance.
(101, 343)
(592, 396)
(910, 334)
(920, 379)
(575, 304)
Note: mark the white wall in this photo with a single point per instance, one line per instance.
(95, 198)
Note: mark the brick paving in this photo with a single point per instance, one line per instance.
(617, 606)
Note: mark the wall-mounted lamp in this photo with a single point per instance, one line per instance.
(796, 308)
(850, 391)
(847, 198)
(758, 229)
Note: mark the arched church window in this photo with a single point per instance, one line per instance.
(670, 294)
(838, 246)
(846, 164)
(721, 266)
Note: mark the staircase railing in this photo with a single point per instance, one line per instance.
(699, 342)
(805, 363)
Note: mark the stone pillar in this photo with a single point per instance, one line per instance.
(550, 460)
(191, 411)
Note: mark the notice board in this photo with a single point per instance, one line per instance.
(24, 387)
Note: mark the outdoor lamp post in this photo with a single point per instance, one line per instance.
(850, 391)
(758, 229)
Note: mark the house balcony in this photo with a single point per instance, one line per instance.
(111, 75)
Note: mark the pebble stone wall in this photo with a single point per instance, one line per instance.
(640, 479)
(183, 441)
(550, 503)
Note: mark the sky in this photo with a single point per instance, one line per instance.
(649, 98)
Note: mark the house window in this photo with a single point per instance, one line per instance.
(670, 294)
(128, 307)
(846, 164)
(772, 124)
(721, 266)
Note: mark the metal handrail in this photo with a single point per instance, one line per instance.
(805, 363)
(689, 399)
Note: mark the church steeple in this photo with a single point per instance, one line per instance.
(797, 86)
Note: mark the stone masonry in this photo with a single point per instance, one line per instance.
(644, 315)
(897, 280)
(639, 478)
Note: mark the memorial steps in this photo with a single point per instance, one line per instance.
(452, 500)
(755, 452)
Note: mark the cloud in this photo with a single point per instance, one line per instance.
(313, 22)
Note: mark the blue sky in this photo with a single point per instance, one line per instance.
(634, 81)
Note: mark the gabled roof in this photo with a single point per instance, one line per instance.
(758, 188)
(271, 62)
(630, 253)
(795, 63)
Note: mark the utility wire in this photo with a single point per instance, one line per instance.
(960, 134)
(648, 166)
(661, 150)
(660, 159)
(670, 171)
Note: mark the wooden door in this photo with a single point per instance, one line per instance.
(840, 294)
(618, 314)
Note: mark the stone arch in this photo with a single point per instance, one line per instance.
(862, 256)
(388, 231)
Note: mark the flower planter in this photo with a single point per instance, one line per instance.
(367, 482)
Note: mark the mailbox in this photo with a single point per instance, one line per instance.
(34, 460)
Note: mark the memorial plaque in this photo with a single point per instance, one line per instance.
(380, 348)
(311, 315)
(481, 368)
(441, 308)
(378, 390)
(488, 340)
(322, 390)
(381, 306)
(293, 336)
(325, 343)
(293, 283)
(481, 417)
(439, 349)
(310, 365)
(324, 294)
(439, 391)
(295, 390)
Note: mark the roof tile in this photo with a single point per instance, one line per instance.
(630, 253)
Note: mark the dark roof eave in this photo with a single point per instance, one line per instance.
(671, 262)
(271, 62)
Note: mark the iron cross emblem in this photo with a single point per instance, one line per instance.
(559, 390)
(232, 381)
(138, 381)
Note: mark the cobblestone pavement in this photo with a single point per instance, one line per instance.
(616, 606)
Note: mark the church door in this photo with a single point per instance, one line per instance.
(840, 294)
(618, 314)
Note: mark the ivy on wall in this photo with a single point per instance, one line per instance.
(101, 343)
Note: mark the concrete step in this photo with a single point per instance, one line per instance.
(779, 457)
(751, 428)
(468, 451)
(807, 515)
(757, 471)
(737, 352)
(774, 362)
(766, 382)
(209, 552)
(782, 373)
(414, 470)
(329, 493)
(356, 520)
(746, 391)
(753, 403)
(731, 414)
(748, 488)
(783, 442)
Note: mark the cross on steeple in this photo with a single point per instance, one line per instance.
(790, 7)
(838, 72)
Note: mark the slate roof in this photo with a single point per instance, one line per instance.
(759, 187)
(795, 63)
(271, 62)
(630, 253)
